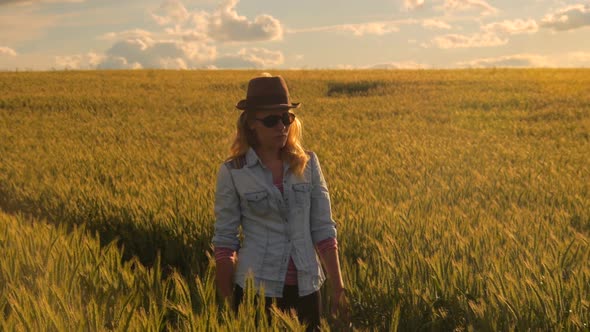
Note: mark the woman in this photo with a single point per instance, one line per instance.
(276, 192)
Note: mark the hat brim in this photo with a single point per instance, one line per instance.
(243, 105)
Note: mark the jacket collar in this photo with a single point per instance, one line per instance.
(252, 159)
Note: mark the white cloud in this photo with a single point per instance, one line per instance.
(360, 29)
(250, 58)
(481, 6)
(490, 35)
(180, 23)
(226, 25)
(116, 62)
(568, 18)
(436, 24)
(343, 67)
(512, 27)
(148, 53)
(127, 34)
(187, 40)
(27, 61)
(386, 66)
(399, 65)
(374, 28)
(580, 58)
(559, 60)
(30, 2)
(173, 48)
(193, 26)
(24, 24)
(413, 4)
(463, 41)
(79, 61)
(171, 11)
(222, 25)
(516, 60)
(7, 51)
(465, 5)
(187, 35)
(378, 28)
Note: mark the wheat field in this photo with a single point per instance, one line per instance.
(462, 197)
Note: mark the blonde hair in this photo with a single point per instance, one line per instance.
(292, 152)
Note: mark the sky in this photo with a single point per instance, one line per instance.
(302, 34)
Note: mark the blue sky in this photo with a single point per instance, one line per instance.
(310, 34)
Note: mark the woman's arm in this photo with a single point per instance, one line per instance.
(323, 233)
(328, 250)
(332, 265)
(225, 259)
(227, 220)
(321, 222)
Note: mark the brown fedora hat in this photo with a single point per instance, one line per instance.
(266, 93)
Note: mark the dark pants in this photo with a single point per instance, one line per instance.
(308, 307)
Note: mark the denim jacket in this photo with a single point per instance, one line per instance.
(274, 226)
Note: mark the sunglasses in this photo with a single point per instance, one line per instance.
(272, 120)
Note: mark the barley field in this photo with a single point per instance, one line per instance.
(462, 197)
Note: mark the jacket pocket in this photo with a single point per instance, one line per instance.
(302, 193)
(258, 202)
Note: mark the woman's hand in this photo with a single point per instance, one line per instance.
(329, 254)
(340, 307)
(224, 277)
